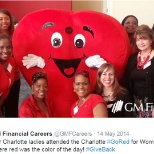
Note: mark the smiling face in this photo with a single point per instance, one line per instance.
(39, 89)
(107, 77)
(65, 39)
(144, 38)
(4, 22)
(143, 42)
(130, 24)
(81, 86)
(5, 49)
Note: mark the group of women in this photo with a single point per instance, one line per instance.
(9, 94)
(139, 73)
(136, 97)
(109, 99)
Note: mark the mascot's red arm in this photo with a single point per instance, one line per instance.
(61, 42)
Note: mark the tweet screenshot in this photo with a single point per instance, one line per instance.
(80, 136)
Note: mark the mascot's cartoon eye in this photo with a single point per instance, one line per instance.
(56, 40)
(79, 41)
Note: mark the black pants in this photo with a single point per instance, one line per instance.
(10, 106)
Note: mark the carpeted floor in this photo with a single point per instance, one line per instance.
(25, 90)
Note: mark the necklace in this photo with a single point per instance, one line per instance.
(110, 94)
(140, 63)
(80, 102)
(108, 97)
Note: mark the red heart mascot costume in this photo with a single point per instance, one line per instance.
(62, 42)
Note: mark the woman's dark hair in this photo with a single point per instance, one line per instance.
(123, 21)
(11, 28)
(38, 75)
(4, 36)
(15, 20)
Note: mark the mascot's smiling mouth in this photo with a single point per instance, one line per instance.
(67, 67)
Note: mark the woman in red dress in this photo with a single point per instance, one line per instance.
(37, 106)
(7, 69)
(88, 105)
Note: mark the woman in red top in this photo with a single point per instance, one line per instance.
(88, 105)
(36, 106)
(11, 102)
(7, 69)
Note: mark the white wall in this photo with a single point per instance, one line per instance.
(95, 5)
(142, 9)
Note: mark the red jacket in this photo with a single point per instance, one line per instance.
(30, 109)
(7, 77)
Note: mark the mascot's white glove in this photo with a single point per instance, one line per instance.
(95, 61)
(32, 60)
